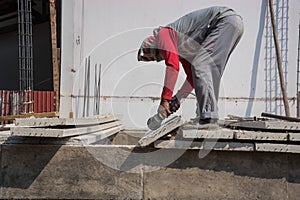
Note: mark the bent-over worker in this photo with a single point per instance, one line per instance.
(202, 41)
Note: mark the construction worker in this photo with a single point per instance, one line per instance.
(202, 42)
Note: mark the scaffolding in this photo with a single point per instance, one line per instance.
(273, 94)
(25, 56)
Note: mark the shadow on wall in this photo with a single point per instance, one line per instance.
(251, 164)
(256, 58)
(22, 164)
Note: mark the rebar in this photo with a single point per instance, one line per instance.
(272, 80)
(25, 52)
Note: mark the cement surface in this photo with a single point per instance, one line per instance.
(72, 172)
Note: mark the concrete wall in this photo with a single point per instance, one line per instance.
(111, 31)
(72, 172)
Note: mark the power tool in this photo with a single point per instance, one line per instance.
(155, 121)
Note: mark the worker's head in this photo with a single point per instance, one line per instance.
(149, 51)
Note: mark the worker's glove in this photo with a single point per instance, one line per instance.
(164, 108)
(175, 104)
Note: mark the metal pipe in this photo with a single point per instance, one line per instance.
(290, 119)
(298, 75)
(279, 63)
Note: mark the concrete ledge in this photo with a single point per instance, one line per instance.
(211, 145)
(73, 172)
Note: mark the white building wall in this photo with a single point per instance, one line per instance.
(110, 33)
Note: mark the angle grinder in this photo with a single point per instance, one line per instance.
(155, 121)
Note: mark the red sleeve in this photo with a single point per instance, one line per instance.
(188, 85)
(167, 40)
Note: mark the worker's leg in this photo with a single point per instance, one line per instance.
(209, 63)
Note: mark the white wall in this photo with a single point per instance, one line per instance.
(111, 31)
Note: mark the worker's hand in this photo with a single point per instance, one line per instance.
(164, 108)
(175, 104)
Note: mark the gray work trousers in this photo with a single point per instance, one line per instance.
(209, 64)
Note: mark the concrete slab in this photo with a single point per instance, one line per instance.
(43, 122)
(4, 135)
(95, 137)
(80, 140)
(257, 135)
(60, 133)
(217, 146)
(285, 148)
(193, 132)
(165, 128)
(294, 136)
(266, 125)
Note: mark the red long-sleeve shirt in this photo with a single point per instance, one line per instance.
(167, 42)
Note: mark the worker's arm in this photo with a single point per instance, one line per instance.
(188, 84)
(167, 41)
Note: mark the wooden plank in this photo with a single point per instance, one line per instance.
(267, 125)
(37, 115)
(190, 132)
(257, 135)
(60, 133)
(217, 146)
(284, 148)
(165, 128)
(55, 64)
(42, 122)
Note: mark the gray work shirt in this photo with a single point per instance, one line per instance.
(193, 28)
